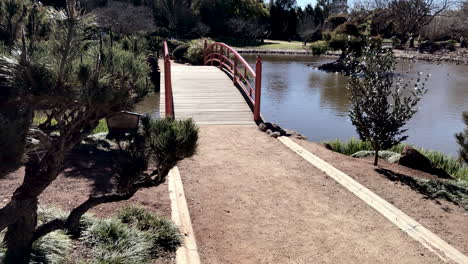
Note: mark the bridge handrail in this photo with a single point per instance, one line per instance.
(221, 54)
(169, 100)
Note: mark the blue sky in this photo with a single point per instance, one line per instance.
(306, 2)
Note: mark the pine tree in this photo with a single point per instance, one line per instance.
(380, 107)
(75, 80)
(462, 139)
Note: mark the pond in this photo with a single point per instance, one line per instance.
(298, 96)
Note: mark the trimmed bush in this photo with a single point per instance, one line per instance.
(164, 233)
(195, 50)
(180, 52)
(319, 47)
(172, 44)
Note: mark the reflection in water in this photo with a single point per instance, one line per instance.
(149, 106)
(315, 103)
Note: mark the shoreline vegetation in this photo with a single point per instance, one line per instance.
(451, 165)
(277, 47)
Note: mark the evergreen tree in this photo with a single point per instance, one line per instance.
(462, 139)
(75, 81)
(380, 107)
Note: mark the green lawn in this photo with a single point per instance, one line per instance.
(272, 45)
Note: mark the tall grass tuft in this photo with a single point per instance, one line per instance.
(115, 242)
(164, 233)
(443, 161)
(52, 248)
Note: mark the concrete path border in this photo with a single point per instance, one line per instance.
(188, 252)
(408, 225)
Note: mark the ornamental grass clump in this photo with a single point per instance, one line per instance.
(164, 233)
(381, 104)
(115, 242)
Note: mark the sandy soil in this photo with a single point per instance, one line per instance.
(83, 177)
(445, 219)
(252, 200)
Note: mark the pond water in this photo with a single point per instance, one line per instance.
(315, 103)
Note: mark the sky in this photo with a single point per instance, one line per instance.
(303, 3)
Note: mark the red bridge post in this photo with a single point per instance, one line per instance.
(258, 89)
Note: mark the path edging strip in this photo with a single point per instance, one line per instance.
(408, 225)
(188, 252)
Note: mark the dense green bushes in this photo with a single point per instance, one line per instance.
(319, 47)
(195, 50)
(443, 161)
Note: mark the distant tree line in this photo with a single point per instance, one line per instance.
(249, 21)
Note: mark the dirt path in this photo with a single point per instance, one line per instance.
(252, 200)
(448, 221)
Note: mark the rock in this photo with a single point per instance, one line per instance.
(412, 158)
(276, 134)
(262, 127)
(327, 146)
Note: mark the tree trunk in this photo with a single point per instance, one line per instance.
(376, 159)
(19, 236)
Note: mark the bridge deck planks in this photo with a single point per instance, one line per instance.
(207, 95)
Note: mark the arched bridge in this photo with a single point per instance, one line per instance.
(225, 90)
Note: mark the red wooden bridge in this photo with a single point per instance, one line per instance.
(226, 90)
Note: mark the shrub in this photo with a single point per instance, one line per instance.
(319, 47)
(52, 248)
(114, 242)
(180, 52)
(443, 161)
(172, 44)
(195, 50)
(164, 233)
(462, 140)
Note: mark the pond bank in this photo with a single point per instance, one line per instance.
(457, 57)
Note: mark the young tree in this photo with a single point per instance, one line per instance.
(308, 24)
(381, 107)
(76, 81)
(462, 139)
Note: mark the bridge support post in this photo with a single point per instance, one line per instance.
(234, 77)
(258, 89)
(205, 46)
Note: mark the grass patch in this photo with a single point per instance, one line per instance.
(101, 128)
(115, 242)
(443, 161)
(266, 45)
(53, 248)
(452, 191)
(134, 237)
(164, 233)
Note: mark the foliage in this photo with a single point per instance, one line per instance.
(453, 191)
(319, 47)
(389, 156)
(53, 248)
(164, 233)
(462, 139)
(380, 107)
(196, 49)
(180, 52)
(114, 242)
(443, 161)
